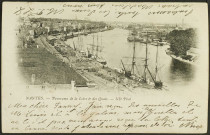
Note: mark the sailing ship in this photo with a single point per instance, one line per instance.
(81, 45)
(143, 79)
(131, 73)
(134, 36)
(158, 42)
(95, 49)
(84, 32)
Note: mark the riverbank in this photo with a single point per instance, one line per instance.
(97, 74)
(69, 35)
(170, 53)
(42, 65)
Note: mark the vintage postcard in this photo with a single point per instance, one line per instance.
(104, 67)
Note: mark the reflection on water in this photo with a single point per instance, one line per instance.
(116, 47)
(181, 72)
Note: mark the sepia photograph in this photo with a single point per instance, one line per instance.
(97, 67)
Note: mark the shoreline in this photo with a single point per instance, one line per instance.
(96, 74)
(168, 52)
(104, 75)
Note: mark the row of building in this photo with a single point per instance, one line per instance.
(30, 28)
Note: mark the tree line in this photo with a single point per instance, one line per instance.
(182, 40)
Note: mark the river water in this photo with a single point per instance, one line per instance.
(116, 48)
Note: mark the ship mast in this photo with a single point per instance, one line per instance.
(80, 42)
(93, 44)
(133, 58)
(146, 64)
(101, 38)
(101, 41)
(78, 39)
(133, 64)
(158, 84)
(156, 69)
(97, 45)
